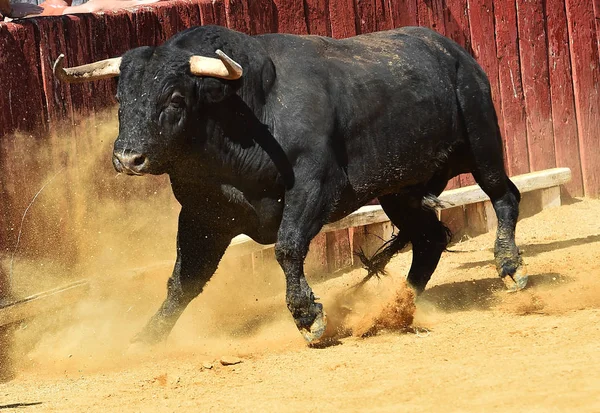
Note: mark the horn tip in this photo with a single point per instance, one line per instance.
(58, 64)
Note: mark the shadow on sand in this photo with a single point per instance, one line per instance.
(18, 405)
(531, 250)
(479, 294)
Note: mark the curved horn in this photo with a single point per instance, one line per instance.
(103, 69)
(224, 67)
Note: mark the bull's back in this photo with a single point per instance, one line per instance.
(392, 98)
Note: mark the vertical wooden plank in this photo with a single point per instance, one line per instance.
(370, 238)
(597, 18)
(365, 11)
(262, 16)
(51, 44)
(586, 80)
(175, 16)
(343, 18)
(207, 12)
(120, 33)
(404, 13)
(237, 15)
(291, 17)
(483, 45)
(20, 80)
(213, 12)
(454, 218)
(339, 255)
(78, 48)
(456, 21)
(358, 243)
(383, 15)
(317, 16)
(564, 119)
(511, 90)
(219, 12)
(431, 14)
(316, 260)
(146, 26)
(476, 217)
(536, 84)
(104, 90)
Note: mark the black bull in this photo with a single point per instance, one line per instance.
(293, 132)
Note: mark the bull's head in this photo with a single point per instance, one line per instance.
(158, 95)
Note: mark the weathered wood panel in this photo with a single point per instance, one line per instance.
(431, 14)
(237, 15)
(291, 17)
(342, 16)
(564, 120)
(317, 16)
(365, 13)
(536, 84)
(262, 16)
(586, 81)
(511, 89)
(22, 105)
(404, 13)
(383, 15)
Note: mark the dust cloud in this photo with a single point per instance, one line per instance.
(84, 221)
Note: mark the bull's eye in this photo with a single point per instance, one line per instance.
(177, 100)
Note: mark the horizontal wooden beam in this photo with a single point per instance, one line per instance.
(42, 302)
(526, 183)
(373, 214)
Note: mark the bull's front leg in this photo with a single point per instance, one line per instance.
(201, 244)
(302, 220)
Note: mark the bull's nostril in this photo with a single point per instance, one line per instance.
(139, 160)
(129, 163)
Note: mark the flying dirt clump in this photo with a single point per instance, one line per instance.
(371, 308)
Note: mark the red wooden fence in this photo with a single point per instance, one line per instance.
(542, 58)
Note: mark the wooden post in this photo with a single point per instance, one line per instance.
(550, 197)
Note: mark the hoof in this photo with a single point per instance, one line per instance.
(316, 330)
(137, 348)
(517, 281)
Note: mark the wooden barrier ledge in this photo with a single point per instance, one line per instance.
(547, 181)
(42, 302)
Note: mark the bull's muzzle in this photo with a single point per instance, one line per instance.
(130, 163)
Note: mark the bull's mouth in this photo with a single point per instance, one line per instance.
(130, 164)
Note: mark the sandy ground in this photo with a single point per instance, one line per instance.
(471, 347)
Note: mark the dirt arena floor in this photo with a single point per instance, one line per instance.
(471, 346)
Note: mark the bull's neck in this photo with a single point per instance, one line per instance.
(245, 147)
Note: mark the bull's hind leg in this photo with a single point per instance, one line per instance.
(420, 225)
(505, 198)
(483, 132)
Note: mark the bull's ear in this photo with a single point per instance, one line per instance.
(212, 90)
